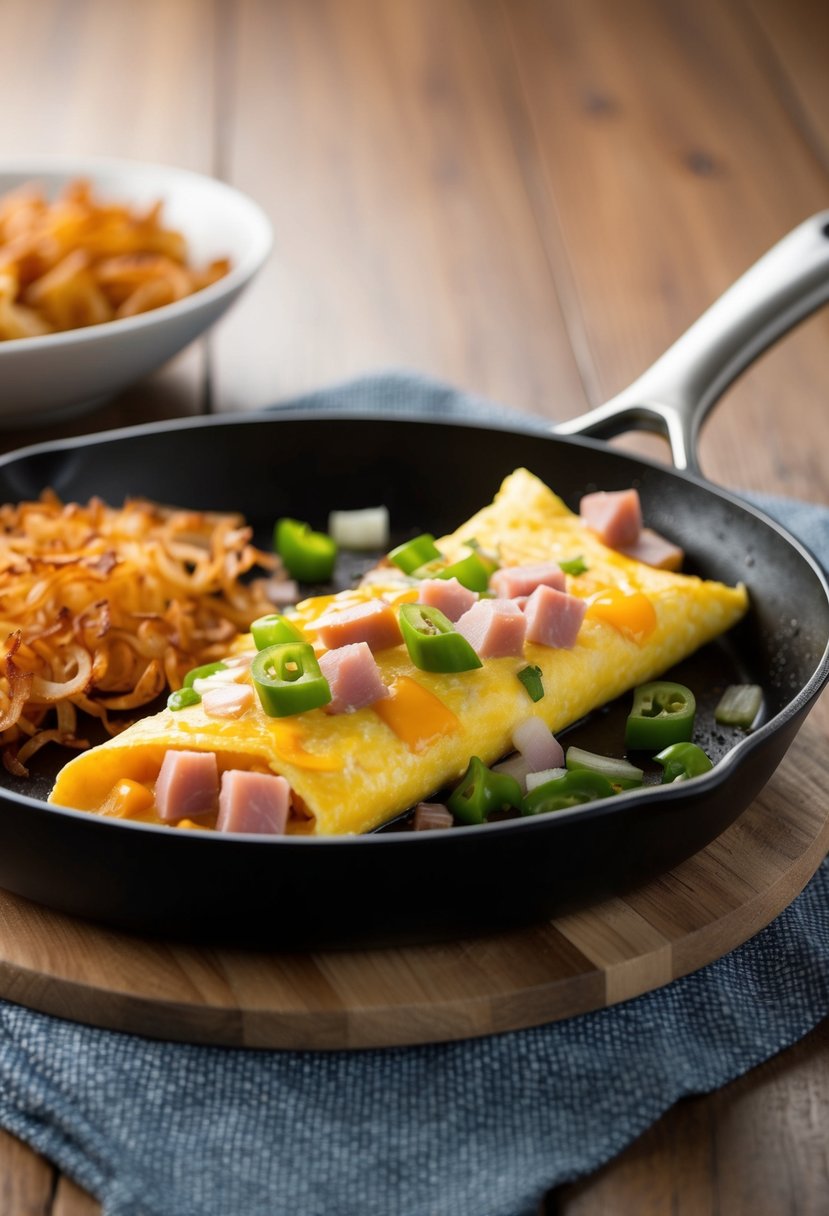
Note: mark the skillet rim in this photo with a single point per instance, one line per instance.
(524, 424)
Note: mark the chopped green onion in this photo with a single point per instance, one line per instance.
(288, 679)
(573, 789)
(414, 553)
(202, 673)
(530, 677)
(308, 556)
(481, 791)
(183, 697)
(543, 776)
(574, 565)
(739, 705)
(273, 629)
(618, 772)
(433, 642)
(681, 761)
(663, 713)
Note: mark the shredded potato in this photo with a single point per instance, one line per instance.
(78, 261)
(103, 609)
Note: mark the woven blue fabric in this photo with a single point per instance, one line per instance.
(481, 1128)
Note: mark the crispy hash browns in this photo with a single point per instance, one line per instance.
(103, 609)
(77, 261)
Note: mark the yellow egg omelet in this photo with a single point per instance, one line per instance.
(350, 772)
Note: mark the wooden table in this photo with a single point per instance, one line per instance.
(527, 198)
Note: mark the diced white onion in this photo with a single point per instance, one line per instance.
(548, 774)
(516, 766)
(534, 739)
(367, 528)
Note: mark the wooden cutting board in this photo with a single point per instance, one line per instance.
(603, 954)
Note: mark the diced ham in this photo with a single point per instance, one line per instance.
(431, 815)
(615, 515)
(655, 550)
(282, 591)
(373, 622)
(353, 676)
(494, 628)
(510, 582)
(187, 785)
(537, 744)
(447, 595)
(553, 617)
(227, 701)
(253, 802)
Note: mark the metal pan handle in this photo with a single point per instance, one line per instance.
(674, 395)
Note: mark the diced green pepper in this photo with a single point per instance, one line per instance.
(530, 677)
(273, 629)
(472, 571)
(288, 679)
(201, 673)
(681, 761)
(481, 791)
(574, 565)
(433, 642)
(308, 556)
(618, 772)
(413, 553)
(573, 789)
(183, 697)
(663, 712)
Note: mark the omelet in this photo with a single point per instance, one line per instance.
(351, 772)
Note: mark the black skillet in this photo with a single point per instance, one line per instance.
(398, 886)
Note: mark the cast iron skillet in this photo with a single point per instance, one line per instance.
(395, 887)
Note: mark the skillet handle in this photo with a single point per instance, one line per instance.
(674, 395)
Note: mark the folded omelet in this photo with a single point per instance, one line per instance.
(350, 772)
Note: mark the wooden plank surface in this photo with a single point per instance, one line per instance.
(528, 198)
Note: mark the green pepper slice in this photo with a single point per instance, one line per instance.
(201, 673)
(472, 572)
(433, 642)
(663, 713)
(413, 553)
(619, 773)
(183, 697)
(288, 679)
(681, 761)
(573, 789)
(273, 630)
(308, 556)
(481, 792)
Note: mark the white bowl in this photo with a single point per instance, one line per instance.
(47, 377)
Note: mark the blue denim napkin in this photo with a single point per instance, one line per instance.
(478, 1128)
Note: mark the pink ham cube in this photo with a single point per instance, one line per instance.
(447, 595)
(494, 628)
(615, 515)
(553, 618)
(655, 550)
(512, 582)
(373, 622)
(187, 785)
(253, 802)
(353, 677)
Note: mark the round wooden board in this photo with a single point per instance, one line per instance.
(595, 957)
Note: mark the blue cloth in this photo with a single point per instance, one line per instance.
(479, 1128)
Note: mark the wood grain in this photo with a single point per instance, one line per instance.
(605, 953)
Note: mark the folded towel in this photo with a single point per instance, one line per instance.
(477, 1128)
